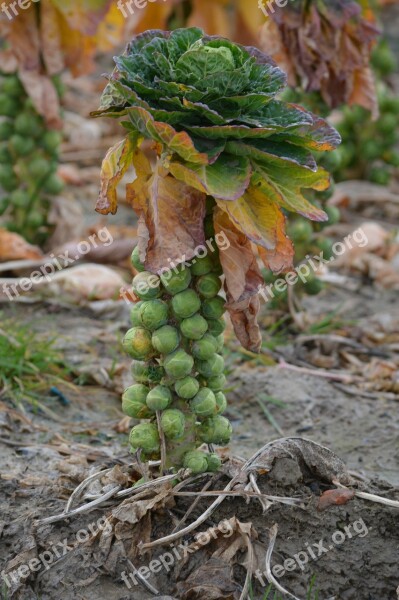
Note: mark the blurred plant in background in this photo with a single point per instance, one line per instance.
(37, 45)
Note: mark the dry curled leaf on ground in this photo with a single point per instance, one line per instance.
(219, 548)
(14, 247)
(314, 460)
(335, 497)
(325, 47)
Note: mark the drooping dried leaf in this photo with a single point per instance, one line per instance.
(240, 268)
(171, 217)
(243, 280)
(243, 316)
(325, 47)
(114, 166)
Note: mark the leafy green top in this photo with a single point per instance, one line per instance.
(210, 107)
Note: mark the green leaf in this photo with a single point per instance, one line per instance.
(216, 179)
(269, 152)
(284, 184)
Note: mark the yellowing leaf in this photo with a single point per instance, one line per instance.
(83, 15)
(256, 216)
(114, 166)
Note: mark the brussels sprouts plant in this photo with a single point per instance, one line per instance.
(28, 162)
(228, 160)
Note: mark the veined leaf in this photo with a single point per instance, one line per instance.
(173, 216)
(216, 179)
(173, 141)
(114, 166)
(279, 153)
(256, 216)
(284, 187)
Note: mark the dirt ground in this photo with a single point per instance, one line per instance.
(44, 455)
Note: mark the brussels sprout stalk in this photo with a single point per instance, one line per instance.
(230, 157)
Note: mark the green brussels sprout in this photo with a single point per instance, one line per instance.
(35, 219)
(334, 214)
(12, 86)
(134, 402)
(387, 123)
(173, 422)
(166, 339)
(136, 262)
(21, 146)
(204, 348)
(135, 314)
(326, 246)
(147, 373)
(301, 231)
(201, 266)
(314, 286)
(204, 403)
(51, 141)
(217, 383)
(5, 155)
(146, 285)
(220, 339)
(214, 462)
(221, 403)
(215, 430)
(137, 343)
(179, 364)
(194, 327)
(187, 387)
(185, 304)
(213, 308)
(380, 176)
(19, 198)
(8, 179)
(174, 281)
(196, 461)
(154, 314)
(216, 327)
(211, 367)
(8, 106)
(159, 398)
(28, 125)
(53, 185)
(209, 285)
(39, 167)
(146, 437)
(6, 130)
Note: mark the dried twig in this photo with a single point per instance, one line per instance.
(269, 575)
